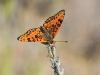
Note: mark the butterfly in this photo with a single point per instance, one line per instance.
(46, 33)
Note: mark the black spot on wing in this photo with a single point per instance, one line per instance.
(60, 20)
(36, 36)
(53, 25)
(58, 25)
(18, 38)
(28, 39)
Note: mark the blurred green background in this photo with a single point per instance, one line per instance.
(81, 27)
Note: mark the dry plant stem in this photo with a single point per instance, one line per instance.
(55, 61)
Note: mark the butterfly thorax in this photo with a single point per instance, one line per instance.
(46, 35)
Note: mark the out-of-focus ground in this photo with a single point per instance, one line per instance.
(81, 27)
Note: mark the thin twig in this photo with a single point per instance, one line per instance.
(55, 62)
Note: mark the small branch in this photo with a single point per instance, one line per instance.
(55, 61)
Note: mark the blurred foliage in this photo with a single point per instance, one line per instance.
(8, 7)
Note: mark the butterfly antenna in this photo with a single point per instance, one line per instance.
(60, 41)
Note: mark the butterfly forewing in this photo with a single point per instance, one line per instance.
(53, 23)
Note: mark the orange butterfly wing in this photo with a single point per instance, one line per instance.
(53, 23)
(51, 26)
(32, 35)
